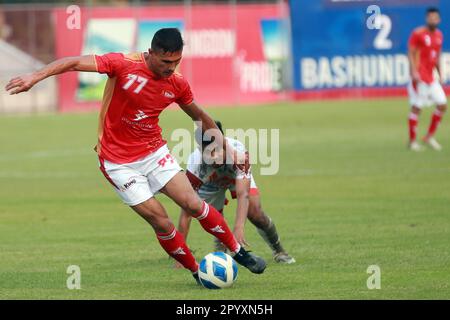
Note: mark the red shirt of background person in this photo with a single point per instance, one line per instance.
(424, 50)
(429, 45)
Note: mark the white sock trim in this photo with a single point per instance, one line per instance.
(438, 113)
(168, 237)
(205, 211)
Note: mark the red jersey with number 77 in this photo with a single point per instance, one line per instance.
(132, 101)
(429, 45)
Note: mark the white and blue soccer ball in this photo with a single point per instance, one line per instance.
(217, 270)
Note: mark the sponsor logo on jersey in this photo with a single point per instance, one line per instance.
(137, 124)
(168, 94)
(141, 115)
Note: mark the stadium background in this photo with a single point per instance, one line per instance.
(261, 51)
(348, 194)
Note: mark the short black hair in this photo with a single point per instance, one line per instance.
(167, 40)
(432, 10)
(204, 138)
(219, 125)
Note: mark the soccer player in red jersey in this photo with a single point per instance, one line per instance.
(133, 157)
(424, 89)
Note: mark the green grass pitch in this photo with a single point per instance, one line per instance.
(348, 195)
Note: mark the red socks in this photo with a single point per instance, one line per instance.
(413, 121)
(412, 127)
(214, 223)
(435, 121)
(174, 244)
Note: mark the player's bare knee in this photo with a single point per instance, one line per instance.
(192, 204)
(254, 208)
(442, 107)
(415, 110)
(161, 224)
(155, 215)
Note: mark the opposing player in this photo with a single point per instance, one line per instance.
(212, 180)
(132, 154)
(424, 89)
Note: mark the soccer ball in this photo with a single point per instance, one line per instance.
(217, 270)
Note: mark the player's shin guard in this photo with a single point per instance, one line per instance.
(270, 236)
(214, 223)
(173, 243)
(412, 121)
(434, 124)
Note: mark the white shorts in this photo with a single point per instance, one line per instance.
(139, 181)
(217, 199)
(425, 95)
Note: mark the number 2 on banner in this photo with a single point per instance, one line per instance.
(132, 79)
(381, 41)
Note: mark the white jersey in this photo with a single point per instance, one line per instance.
(214, 179)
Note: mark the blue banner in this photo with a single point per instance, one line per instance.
(358, 44)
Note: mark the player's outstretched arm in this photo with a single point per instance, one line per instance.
(26, 82)
(242, 195)
(198, 114)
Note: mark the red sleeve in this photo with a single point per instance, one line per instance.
(109, 63)
(185, 95)
(414, 40)
(196, 183)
